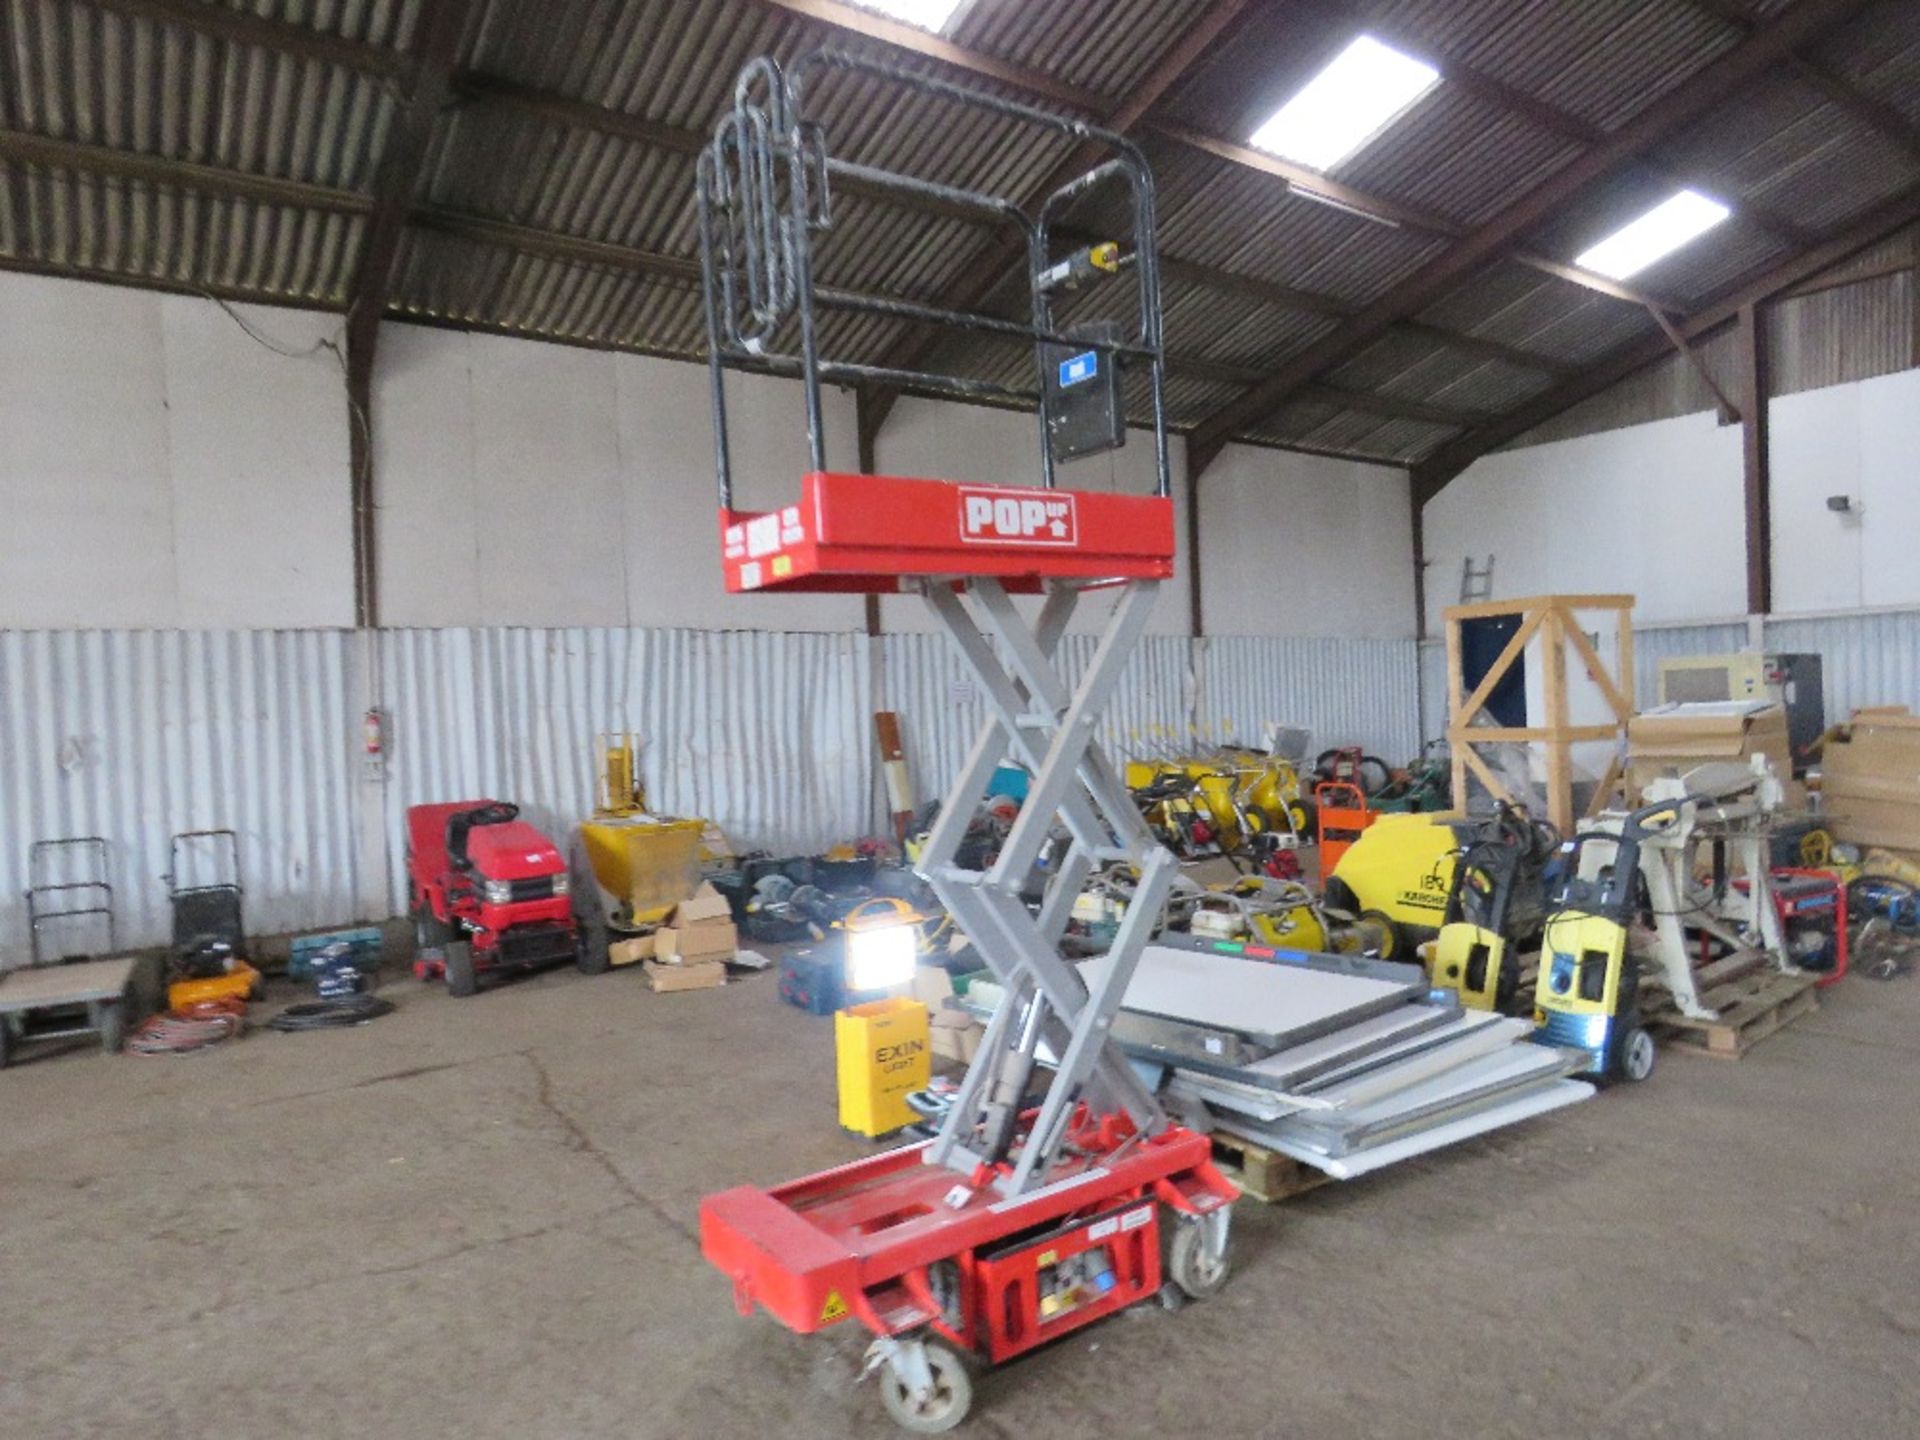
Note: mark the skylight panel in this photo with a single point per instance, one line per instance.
(1658, 233)
(927, 14)
(1361, 91)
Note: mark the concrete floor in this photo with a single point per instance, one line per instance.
(475, 1218)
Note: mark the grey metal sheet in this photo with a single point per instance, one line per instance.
(1538, 1101)
(1459, 1089)
(1275, 1004)
(1467, 1023)
(1299, 1064)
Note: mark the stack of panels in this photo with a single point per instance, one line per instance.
(1344, 1065)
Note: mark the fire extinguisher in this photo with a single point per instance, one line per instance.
(373, 730)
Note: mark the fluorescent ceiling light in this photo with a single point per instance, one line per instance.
(927, 14)
(1659, 232)
(1360, 92)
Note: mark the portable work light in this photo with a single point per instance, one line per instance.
(883, 946)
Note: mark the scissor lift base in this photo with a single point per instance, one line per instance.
(866, 1240)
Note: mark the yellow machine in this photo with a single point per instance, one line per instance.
(1588, 998)
(1399, 873)
(1283, 914)
(1237, 793)
(644, 864)
(240, 982)
(1496, 902)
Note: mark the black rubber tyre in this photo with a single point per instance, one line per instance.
(6, 1041)
(428, 932)
(948, 1405)
(592, 958)
(1198, 1274)
(113, 1026)
(461, 979)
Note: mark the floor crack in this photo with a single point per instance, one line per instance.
(579, 1140)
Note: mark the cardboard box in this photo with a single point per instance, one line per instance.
(1674, 739)
(704, 905)
(700, 975)
(881, 1056)
(630, 952)
(932, 986)
(1870, 782)
(701, 929)
(956, 1035)
(689, 944)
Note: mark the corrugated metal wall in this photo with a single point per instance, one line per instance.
(1363, 692)
(135, 735)
(1868, 659)
(766, 733)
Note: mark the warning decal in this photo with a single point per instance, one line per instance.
(834, 1309)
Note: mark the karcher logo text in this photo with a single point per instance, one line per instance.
(1016, 517)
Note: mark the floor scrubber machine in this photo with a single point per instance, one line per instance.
(1056, 1191)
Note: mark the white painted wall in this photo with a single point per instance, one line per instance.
(1652, 510)
(523, 483)
(1657, 510)
(1300, 545)
(159, 467)
(1859, 440)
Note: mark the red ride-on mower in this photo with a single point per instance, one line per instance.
(490, 892)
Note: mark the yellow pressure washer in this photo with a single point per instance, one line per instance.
(1496, 901)
(1589, 993)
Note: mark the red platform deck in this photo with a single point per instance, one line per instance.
(855, 1241)
(864, 533)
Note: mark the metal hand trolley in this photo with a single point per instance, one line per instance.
(60, 993)
(1043, 1203)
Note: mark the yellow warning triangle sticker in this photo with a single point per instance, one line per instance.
(834, 1309)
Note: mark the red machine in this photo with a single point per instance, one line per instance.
(490, 892)
(1044, 1201)
(1812, 906)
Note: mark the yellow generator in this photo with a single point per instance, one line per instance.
(1399, 874)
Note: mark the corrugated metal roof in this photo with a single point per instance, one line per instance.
(87, 73)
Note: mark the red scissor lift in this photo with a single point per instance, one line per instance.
(1056, 1191)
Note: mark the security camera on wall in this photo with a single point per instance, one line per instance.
(1844, 505)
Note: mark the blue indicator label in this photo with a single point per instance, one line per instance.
(1079, 368)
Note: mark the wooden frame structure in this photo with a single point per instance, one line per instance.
(1554, 620)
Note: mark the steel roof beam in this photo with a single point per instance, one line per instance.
(244, 28)
(22, 148)
(1883, 220)
(1654, 123)
(1545, 115)
(436, 47)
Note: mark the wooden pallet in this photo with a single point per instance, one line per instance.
(1261, 1172)
(1752, 1005)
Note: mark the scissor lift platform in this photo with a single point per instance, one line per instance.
(873, 534)
(1043, 1202)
